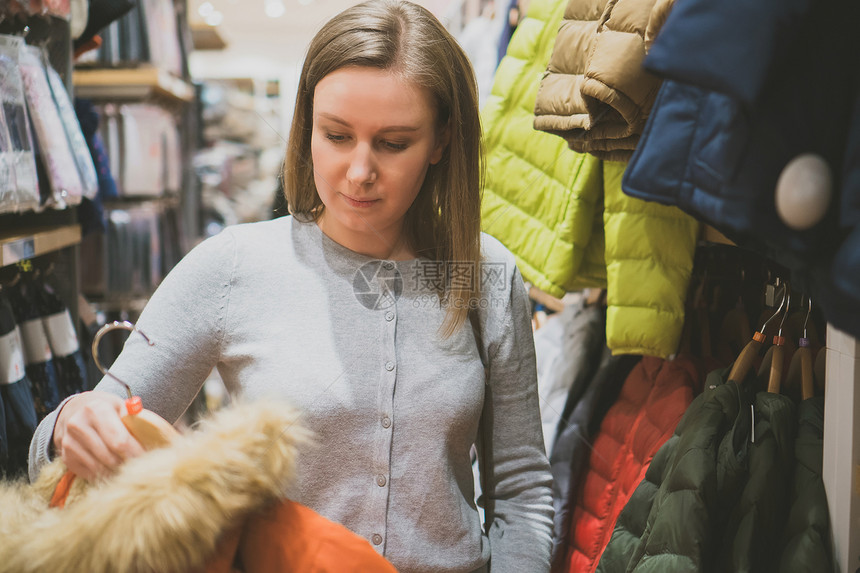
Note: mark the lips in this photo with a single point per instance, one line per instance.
(359, 203)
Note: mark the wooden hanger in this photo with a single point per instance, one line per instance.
(745, 360)
(807, 377)
(777, 360)
(801, 379)
(150, 429)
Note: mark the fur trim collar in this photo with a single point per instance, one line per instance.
(163, 511)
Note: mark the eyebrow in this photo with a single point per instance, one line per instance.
(345, 123)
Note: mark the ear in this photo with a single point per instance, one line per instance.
(443, 138)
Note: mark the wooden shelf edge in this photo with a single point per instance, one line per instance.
(711, 235)
(130, 83)
(206, 37)
(37, 242)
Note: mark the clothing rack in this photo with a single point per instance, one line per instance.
(841, 463)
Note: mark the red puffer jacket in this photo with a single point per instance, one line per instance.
(655, 395)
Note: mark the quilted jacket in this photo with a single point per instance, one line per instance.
(806, 539)
(756, 522)
(689, 489)
(580, 421)
(210, 500)
(546, 204)
(716, 495)
(653, 399)
(595, 92)
(748, 87)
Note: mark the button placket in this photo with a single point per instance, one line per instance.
(382, 467)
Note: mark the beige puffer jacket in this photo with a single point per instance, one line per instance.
(595, 93)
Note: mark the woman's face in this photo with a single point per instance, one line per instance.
(374, 136)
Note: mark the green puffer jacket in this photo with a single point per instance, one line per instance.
(806, 539)
(713, 499)
(689, 489)
(563, 214)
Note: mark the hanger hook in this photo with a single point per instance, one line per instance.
(787, 307)
(806, 320)
(779, 309)
(117, 324)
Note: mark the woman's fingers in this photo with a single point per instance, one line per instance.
(94, 441)
(80, 462)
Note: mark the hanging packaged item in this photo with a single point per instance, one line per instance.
(38, 359)
(74, 134)
(15, 393)
(23, 194)
(143, 150)
(63, 340)
(62, 171)
(8, 184)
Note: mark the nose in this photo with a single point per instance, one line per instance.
(362, 167)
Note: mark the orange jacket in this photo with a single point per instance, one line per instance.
(291, 537)
(288, 537)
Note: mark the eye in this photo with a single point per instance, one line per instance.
(335, 138)
(395, 145)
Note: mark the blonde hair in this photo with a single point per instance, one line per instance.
(443, 223)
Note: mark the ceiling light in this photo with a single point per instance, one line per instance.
(206, 9)
(214, 18)
(275, 8)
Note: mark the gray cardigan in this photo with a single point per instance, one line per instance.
(281, 309)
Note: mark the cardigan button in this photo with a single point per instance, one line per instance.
(380, 480)
(386, 422)
(376, 538)
(389, 366)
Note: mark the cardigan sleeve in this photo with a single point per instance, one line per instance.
(516, 479)
(184, 319)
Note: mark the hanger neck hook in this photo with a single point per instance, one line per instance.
(787, 307)
(115, 325)
(806, 320)
(778, 310)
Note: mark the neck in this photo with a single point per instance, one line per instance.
(384, 244)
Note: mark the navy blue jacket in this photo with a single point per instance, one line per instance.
(749, 86)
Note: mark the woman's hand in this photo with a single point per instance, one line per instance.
(90, 436)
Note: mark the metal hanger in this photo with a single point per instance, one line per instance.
(807, 377)
(745, 359)
(150, 429)
(777, 360)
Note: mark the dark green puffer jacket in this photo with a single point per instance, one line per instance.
(806, 540)
(689, 489)
(757, 520)
(713, 500)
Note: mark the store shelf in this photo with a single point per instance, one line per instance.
(131, 83)
(133, 304)
(25, 245)
(205, 37)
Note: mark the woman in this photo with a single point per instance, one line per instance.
(373, 308)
